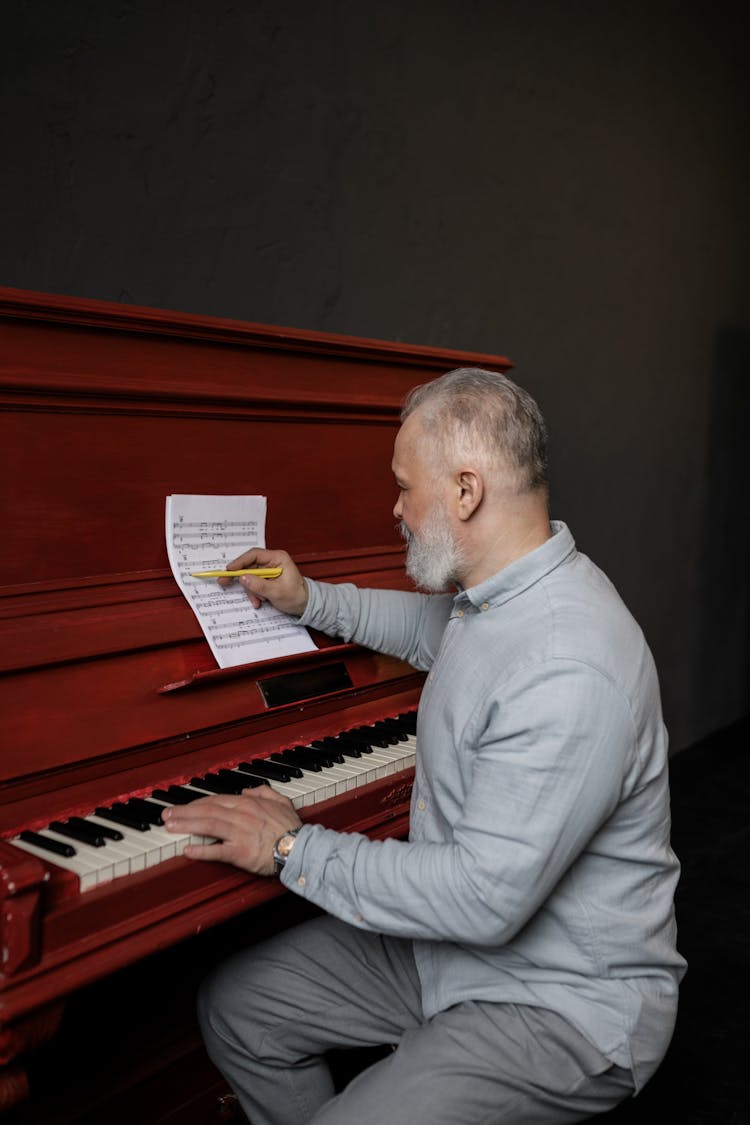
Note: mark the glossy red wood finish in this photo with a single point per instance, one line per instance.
(107, 687)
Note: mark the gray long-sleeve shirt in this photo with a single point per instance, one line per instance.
(538, 868)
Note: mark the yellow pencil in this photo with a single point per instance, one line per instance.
(258, 571)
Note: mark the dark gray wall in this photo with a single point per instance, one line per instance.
(565, 182)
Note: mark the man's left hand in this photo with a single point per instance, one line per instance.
(246, 827)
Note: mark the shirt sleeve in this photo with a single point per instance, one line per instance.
(551, 750)
(407, 625)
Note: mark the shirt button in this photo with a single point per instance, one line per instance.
(301, 881)
(459, 613)
(421, 806)
(358, 918)
(485, 605)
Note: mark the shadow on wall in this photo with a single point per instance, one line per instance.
(723, 666)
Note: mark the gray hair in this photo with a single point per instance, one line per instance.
(484, 417)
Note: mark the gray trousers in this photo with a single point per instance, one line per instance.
(271, 1013)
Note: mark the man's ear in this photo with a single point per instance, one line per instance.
(470, 492)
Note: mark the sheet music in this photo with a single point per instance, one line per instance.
(205, 533)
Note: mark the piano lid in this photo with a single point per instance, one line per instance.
(104, 410)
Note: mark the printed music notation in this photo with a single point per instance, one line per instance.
(205, 533)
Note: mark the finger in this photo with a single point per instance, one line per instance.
(253, 588)
(221, 823)
(218, 853)
(251, 557)
(216, 827)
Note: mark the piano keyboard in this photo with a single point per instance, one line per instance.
(121, 839)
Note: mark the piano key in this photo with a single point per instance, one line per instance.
(101, 859)
(48, 844)
(87, 876)
(332, 774)
(76, 828)
(120, 814)
(302, 755)
(178, 795)
(370, 736)
(343, 747)
(216, 783)
(120, 856)
(261, 767)
(394, 726)
(325, 768)
(83, 857)
(299, 791)
(83, 835)
(323, 787)
(149, 810)
(144, 843)
(289, 756)
(135, 853)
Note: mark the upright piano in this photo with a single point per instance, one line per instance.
(108, 691)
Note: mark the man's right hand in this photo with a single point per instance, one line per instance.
(288, 592)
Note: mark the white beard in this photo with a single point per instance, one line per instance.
(433, 557)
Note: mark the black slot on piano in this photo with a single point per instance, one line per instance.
(295, 686)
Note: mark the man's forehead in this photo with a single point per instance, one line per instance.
(404, 446)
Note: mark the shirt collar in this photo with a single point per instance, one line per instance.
(522, 573)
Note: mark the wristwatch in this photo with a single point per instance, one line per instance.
(282, 849)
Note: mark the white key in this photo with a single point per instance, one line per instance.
(97, 857)
(133, 851)
(383, 764)
(294, 789)
(323, 787)
(146, 842)
(86, 872)
(368, 768)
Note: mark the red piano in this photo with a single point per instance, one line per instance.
(109, 694)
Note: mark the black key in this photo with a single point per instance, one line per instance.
(212, 783)
(307, 759)
(366, 736)
(377, 735)
(324, 745)
(46, 842)
(226, 782)
(409, 719)
(177, 795)
(363, 745)
(104, 830)
(150, 811)
(286, 758)
(324, 758)
(79, 829)
(350, 748)
(393, 727)
(260, 767)
(120, 814)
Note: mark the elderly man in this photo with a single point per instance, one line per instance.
(519, 950)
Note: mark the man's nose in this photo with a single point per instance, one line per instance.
(397, 509)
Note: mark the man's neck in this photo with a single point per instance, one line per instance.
(505, 541)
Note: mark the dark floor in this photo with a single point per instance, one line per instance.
(705, 1078)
